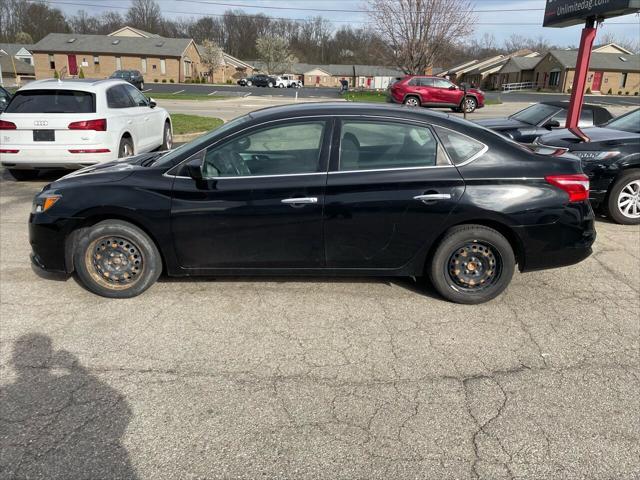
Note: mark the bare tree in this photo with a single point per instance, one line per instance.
(211, 56)
(418, 31)
(274, 52)
(145, 14)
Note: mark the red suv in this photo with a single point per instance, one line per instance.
(434, 92)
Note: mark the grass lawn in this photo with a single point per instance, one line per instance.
(183, 96)
(378, 97)
(193, 123)
(492, 101)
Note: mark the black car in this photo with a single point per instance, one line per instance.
(259, 80)
(320, 188)
(4, 99)
(528, 124)
(611, 159)
(134, 77)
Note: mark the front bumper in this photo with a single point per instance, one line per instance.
(48, 243)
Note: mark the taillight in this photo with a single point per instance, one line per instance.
(9, 150)
(4, 125)
(577, 186)
(99, 125)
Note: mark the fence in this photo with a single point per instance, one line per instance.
(508, 87)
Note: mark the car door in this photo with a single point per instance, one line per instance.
(125, 115)
(390, 187)
(152, 120)
(445, 92)
(260, 203)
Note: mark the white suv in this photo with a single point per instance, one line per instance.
(74, 123)
(288, 81)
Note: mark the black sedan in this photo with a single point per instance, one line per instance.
(4, 99)
(134, 77)
(611, 159)
(320, 188)
(528, 124)
(259, 80)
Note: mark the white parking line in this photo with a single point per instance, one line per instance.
(245, 96)
(147, 90)
(179, 91)
(212, 93)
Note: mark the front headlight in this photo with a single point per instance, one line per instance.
(42, 203)
(592, 155)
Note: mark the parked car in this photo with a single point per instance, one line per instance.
(424, 91)
(74, 123)
(134, 77)
(259, 80)
(402, 192)
(288, 81)
(5, 96)
(528, 124)
(611, 159)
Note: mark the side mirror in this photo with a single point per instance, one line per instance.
(152, 103)
(194, 169)
(552, 124)
(453, 87)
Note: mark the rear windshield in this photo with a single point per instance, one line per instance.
(52, 101)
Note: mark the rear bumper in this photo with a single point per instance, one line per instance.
(39, 157)
(564, 242)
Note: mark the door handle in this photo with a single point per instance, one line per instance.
(430, 197)
(300, 201)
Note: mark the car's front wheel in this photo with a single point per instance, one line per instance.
(167, 137)
(270, 84)
(470, 104)
(624, 199)
(473, 264)
(21, 175)
(116, 259)
(126, 147)
(412, 101)
(248, 83)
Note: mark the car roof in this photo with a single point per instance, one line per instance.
(600, 114)
(565, 104)
(87, 84)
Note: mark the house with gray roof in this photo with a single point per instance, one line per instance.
(14, 72)
(517, 70)
(609, 73)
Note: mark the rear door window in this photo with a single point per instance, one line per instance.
(459, 147)
(52, 101)
(117, 97)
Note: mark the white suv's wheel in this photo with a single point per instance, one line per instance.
(126, 148)
(270, 84)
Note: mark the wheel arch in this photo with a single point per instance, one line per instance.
(72, 238)
(414, 95)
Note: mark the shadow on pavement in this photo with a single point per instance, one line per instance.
(59, 421)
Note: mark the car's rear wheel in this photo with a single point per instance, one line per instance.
(270, 84)
(623, 204)
(21, 175)
(470, 104)
(116, 259)
(473, 264)
(167, 137)
(248, 83)
(126, 147)
(412, 101)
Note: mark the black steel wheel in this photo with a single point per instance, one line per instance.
(116, 259)
(472, 264)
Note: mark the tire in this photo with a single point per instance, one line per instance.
(623, 204)
(138, 260)
(488, 252)
(270, 84)
(469, 104)
(248, 84)
(22, 175)
(141, 86)
(167, 137)
(125, 149)
(412, 101)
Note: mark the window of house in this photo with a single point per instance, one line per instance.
(96, 60)
(163, 66)
(623, 79)
(52, 62)
(291, 148)
(554, 79)
(118, 63)
(143, 65)
(187, 68)
(368, 145)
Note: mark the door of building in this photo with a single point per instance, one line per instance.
(73, 64)
(597, 82)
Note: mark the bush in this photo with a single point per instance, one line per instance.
(164, 80)
(81, 74)
(539, 89)
(619, 92)
(626, 93)
(635, 93)
(609, 92)
(187, 81)
(55, 74)
(155, 80)
(171, 80)
(569, 90)
(588, 90)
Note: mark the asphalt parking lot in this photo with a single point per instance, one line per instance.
(318, 378)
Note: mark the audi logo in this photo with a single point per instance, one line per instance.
(40, 123)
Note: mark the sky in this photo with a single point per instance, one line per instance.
(513, 13)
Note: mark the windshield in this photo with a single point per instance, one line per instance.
(629, 122)
(52, 101)
(535, 114)
(204, 140)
